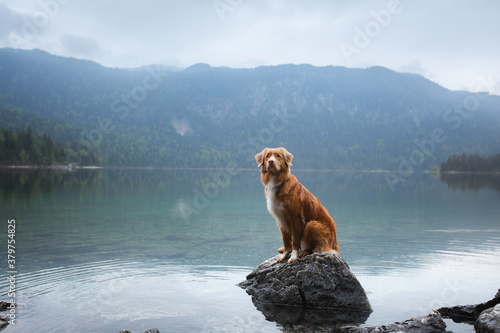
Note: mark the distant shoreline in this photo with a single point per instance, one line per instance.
(492, 173)
(97, 167)
(48, 167)
(90, 167)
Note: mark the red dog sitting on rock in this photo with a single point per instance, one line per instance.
(305, 225)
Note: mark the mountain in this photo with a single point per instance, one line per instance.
(328, 117)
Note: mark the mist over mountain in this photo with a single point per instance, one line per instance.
(328, 117)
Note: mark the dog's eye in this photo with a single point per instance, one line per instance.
(267, 156)
(278, 155)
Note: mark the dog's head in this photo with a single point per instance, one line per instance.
(274, 159)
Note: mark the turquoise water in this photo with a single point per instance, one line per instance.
(104, 250)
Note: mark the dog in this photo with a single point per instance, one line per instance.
(305, 225)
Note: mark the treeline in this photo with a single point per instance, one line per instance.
(471, 163)
(23, 147)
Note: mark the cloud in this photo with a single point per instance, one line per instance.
(414, 67)
(11, 23)
(80, 46)
(453, 40)
(8, 20)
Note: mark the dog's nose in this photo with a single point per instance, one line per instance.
(271, 161)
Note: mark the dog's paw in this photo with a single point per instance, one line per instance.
(293, 258)
(282, 257)
(281, 249)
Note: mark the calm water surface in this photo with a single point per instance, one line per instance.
(104, 250)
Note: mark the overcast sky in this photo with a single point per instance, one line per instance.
(454, 43)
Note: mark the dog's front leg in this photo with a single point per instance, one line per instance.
(287, 242)
(296, 239)
(295, 252)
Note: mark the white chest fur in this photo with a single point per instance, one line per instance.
(274, 206)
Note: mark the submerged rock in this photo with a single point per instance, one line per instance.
(431, 323)
(315, 288)
(489, 320)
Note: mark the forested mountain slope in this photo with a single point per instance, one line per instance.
(328, 117)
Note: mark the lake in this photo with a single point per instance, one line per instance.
(105, 250)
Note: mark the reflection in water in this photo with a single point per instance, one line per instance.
(472, 182)
(312, 319)
(23, 184)
(116, 246)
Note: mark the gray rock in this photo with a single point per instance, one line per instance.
(5, 305)
(489, 321)
(468, 313)
(4, 321)
(152, 330)
(296, 293)
(431, 323)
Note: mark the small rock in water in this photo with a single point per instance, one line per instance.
(3, 320)
(468, 313)
(431, 323)
(151, 330)
(6, 305)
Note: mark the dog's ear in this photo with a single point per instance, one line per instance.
(288, 157)
(260, 158)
